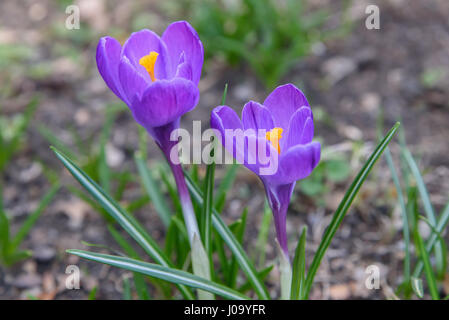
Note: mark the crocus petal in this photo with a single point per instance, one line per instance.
(132, 82)
(165, 101)
(181, 37)
(283, 102)
(294, 134)
(279, 198)
(140, 44)
(184, 69)
(223, 117)
(255, 116)
(307, 133)
(108, 59)
(298, 162)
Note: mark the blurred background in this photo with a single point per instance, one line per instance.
(359, 82)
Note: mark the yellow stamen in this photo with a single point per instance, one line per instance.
(148, 62)
(274, 136)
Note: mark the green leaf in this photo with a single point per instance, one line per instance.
(299, 267)
(161, 272)
(428, 208)
(153, 190)
(239, 233)
(262, 237)
(423, 255)
(224, 186)
(126, 289)
(261, 275)
(231, 241)
(4, 228)
(441, 225)
(55, 141)
(92, 293)
(344, 207)
(206, 213)
(126, 221)
(337, 170)
(417, 287)
(104, 171)
(32, 218)
(139, 280)
(405, 224)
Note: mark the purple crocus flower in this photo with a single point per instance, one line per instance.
(157, 77)
(282, 128)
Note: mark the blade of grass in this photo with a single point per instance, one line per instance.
(405, 224)
(261, 275)
(224, 187)
(4, 228)
(417, 287)
(153, 190)
(344, 207)
(32, 218)
(441, 225)
(126, 289)
(92, 293)
(262, 237)
(428, 208)
(9, 148)
(139, 281)
(171, 189)
(423, 255)
(126, 221)
(104, 171)
(239, 233)
(299, 267)
(206, 212)
(227, 236)
(55, 141)
(161, 272)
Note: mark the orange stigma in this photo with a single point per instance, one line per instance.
(148, 62)
(273, 136)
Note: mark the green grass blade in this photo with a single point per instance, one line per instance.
(55, 141)
(4, 228)
(262, 237)
(224, 186)
(206, 212)
(161, 272)
(153, 190)
(441, 225)
(261, 275)
(424, 256)
(171, 189)
(104, 172)
(239, 233)
(344, 207)
(227, 236)
(428, 208)
(299, 267)
(417, 287)
(32, 218)
(92, 293)
(139, 281)
(126, 221)
(405, 223)
(9, 148)
(126, 289)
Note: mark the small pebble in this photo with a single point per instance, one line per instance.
(44, 254)
(26, 281)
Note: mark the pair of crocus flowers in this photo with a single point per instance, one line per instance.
(157, 77)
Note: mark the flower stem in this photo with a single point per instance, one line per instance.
(200, 260)
(186, 202)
